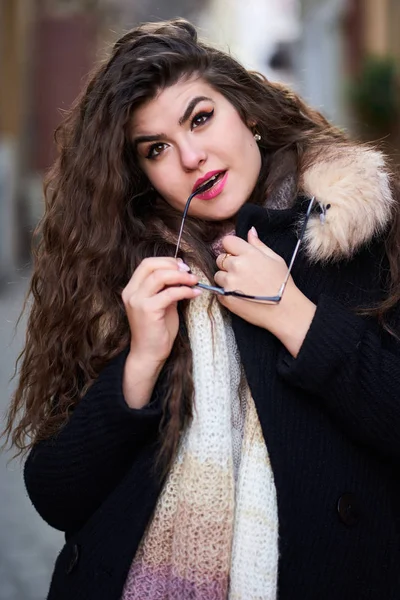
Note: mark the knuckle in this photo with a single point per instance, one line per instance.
(158, 277)
(170, 292)
(132, 302)
(146, 309)
(143, 266)
(280, 260)
(238, 262)
(127, 296)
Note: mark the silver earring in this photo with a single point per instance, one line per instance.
(257, 137)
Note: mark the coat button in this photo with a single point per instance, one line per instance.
(348, 510)
(73, 560)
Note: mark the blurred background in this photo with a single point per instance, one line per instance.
(342, 56)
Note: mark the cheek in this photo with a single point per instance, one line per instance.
(233, 133)
(240, 141)
(161, 178)
(165, 179)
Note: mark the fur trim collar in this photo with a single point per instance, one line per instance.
(352, 186)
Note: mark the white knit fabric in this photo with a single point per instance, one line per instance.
(214, 532)
(254, 561)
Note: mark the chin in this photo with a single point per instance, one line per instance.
(220, 211)
(222, 215)
(229, 213)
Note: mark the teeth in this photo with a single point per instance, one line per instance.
(213, 178)
(209, 183)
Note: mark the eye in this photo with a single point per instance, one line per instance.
(155, 150)
(201, 118)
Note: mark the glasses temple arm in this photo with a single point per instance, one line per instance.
(199, 190)
(296, 250)
(178, 243)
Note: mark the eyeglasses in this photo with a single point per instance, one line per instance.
(236, 294)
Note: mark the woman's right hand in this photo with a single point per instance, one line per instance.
(151, 303)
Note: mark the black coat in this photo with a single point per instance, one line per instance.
(331, 422)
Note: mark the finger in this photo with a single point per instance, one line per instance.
(171, 295)
(224, 260)
(146, 268)
(224, 300)
(160, 279)
(220, 279)
(255, 241)
(149, 265)
(234, 245)
(237, 246)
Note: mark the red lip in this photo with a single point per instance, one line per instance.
(207, 176)
(215, 190)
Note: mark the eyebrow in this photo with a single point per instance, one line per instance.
(190, 108)
(159, 136)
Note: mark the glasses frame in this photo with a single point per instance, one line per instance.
(236, 294)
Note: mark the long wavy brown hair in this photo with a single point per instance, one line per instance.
(102, 218)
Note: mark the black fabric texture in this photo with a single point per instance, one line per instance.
(330, 419)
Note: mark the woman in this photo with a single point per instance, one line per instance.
(201, 445)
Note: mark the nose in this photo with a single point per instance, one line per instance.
(192, 155)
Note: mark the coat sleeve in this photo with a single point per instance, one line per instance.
(354, 372)
(69, 476)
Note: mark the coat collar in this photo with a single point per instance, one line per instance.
(352, 186)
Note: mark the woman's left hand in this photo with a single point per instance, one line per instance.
(254, 269)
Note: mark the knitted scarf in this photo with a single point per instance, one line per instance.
(214, 531)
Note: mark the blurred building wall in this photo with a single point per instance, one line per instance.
(374, 26)
(375, 18)
(66, 39)
(45, 51)
(15, 35)
(322, 57)
(64, 55)
(338, 37)
(394, 28)
(381, 47)
(255, 31)
(381, 26)
(47, 47)
(65, 36)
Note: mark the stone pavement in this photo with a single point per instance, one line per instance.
(28, 546)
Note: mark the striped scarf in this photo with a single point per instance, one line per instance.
(214, 531)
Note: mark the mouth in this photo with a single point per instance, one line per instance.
(205, 184)
(212, 187)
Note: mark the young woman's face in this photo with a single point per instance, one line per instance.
(186, 135)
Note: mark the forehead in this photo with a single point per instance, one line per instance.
(169, 105)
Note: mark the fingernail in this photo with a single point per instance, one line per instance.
(253, 231)
(183, 267)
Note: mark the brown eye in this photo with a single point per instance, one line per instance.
(155, 150)
(201, 118)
